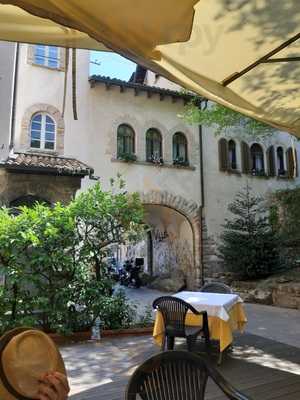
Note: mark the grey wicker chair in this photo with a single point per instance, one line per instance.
(174, 312)
(216, 287)
(176, 375)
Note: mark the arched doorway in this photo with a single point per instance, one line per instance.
(28, 201)
(189, 213)
(173, 244)
(170, 250)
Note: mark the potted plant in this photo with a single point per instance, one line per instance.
(128, 157)
(180, 161)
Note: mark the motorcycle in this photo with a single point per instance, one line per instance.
(129, 275)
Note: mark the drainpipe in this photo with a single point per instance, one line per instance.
(202, 193)
(14, 99)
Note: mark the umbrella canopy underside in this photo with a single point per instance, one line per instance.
(244, 54)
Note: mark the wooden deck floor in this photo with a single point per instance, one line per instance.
(262, 369)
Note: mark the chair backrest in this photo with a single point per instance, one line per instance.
(171, 375)
(216, 287)
(174, 311)
(176, 375)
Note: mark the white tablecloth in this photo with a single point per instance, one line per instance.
(216, 305)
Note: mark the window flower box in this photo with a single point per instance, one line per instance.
(128, 157)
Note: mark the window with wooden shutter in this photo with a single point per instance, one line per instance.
(292, 163)
(271, 161)
(223, 155)
(245, 156)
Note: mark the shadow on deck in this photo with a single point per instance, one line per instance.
(261, 368)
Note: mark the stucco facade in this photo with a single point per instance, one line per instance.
(220, 188)
(7, 72)
(182, 203)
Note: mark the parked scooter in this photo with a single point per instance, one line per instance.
(130, 273)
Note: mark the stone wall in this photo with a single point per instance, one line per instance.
(49, 187)
(213, 266)
(280, 291)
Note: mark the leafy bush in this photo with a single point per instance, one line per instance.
(285, 220)
(128, 157)
(223, 119)
(146, 319)
(52, 260)
(249, 247)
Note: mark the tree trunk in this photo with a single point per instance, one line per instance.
(14, 302)
(97, 269)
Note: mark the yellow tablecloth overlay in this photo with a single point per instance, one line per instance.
(218, 329)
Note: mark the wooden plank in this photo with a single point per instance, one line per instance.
(244, 368)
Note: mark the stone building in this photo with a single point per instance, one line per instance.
(186, 176)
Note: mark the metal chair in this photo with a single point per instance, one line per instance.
(174, 313)
(176, 375)
(216, 287)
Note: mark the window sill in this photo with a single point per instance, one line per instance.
(151, 164)
(259, 175)
(42, 151)
(284, 177)
(59, 69)
(234, 172)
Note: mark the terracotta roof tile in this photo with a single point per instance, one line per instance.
(33, 162)
(185, 96)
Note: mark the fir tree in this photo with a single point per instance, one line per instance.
(249, 247)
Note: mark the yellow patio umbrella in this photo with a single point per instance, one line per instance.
(244, 54)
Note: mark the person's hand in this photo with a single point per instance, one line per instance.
(53, 386)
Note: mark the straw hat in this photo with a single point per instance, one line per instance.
(25, 355)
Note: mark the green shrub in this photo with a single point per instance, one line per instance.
(52, 259)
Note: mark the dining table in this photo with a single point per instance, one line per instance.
(226, 314)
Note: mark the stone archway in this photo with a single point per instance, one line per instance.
(192, 212)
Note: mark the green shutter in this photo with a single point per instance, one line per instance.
(223, 155)
(271, 161)
(245, 155)
(290, 163)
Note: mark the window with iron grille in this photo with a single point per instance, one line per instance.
(180, 149)
(257, 159)
(126, 139)
(153, 145)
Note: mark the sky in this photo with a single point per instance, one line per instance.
(111, 65)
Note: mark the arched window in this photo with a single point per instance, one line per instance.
(257, 159)
(180, 153)
(42, 132)
(280, 161)
(126, 136)
(153, 145)
(232, 154)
